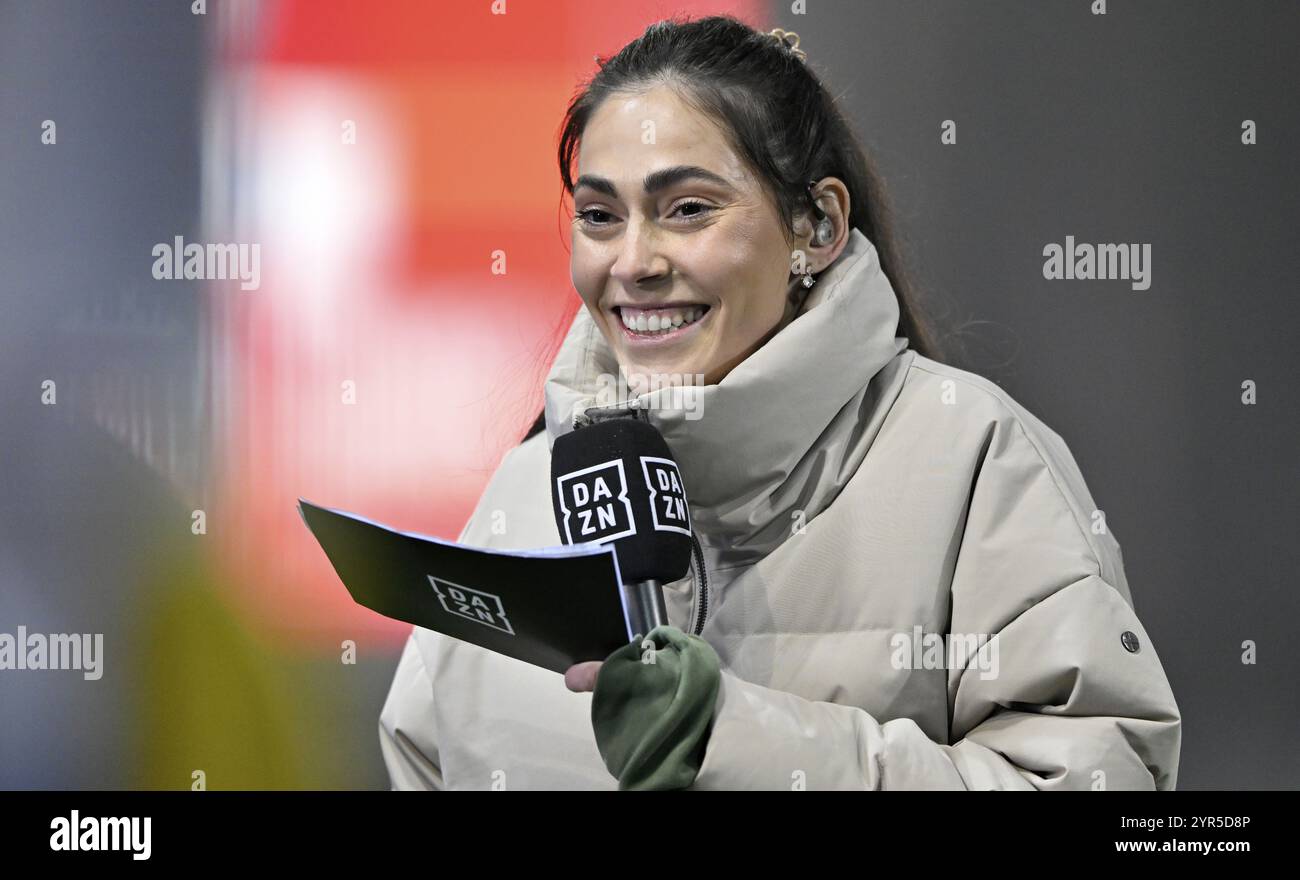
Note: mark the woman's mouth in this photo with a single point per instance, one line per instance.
(658, 326)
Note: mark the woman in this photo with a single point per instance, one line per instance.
(905, 581)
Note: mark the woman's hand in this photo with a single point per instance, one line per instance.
(652, 707)
(581, 677)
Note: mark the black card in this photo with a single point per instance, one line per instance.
(551, 607)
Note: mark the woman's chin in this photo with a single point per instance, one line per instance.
(645, 376)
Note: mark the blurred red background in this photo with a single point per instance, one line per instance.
(387, 156)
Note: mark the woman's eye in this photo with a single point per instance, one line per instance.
(587, 216)
(686, 210)
(702, 209)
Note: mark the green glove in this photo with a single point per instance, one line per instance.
(652, 719)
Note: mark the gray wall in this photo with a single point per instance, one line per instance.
(1122, 128)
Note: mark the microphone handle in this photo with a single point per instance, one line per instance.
(645, 605)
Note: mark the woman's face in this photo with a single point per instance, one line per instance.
(671, 230)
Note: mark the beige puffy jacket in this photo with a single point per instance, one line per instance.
(908, 583)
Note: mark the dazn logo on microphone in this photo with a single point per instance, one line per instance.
(668, 508)
(597, 508)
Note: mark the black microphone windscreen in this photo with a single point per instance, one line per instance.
(616, 480)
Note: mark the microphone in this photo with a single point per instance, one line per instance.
(615, 480)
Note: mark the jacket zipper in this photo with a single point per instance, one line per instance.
(702, 602)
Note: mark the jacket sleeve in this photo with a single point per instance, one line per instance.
(1076, 700)
(407, 733)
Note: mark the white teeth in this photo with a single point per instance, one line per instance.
(659, 321)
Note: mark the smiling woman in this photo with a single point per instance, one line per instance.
(848, 493)
(698, 188)
(727, 259)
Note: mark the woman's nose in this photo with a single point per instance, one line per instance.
(639, 258)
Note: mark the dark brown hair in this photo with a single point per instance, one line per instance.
(779, 117)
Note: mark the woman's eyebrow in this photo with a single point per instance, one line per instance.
(655, 180)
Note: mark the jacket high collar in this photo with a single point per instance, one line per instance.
(782, 433)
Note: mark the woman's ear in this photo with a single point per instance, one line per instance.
(826, 232)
